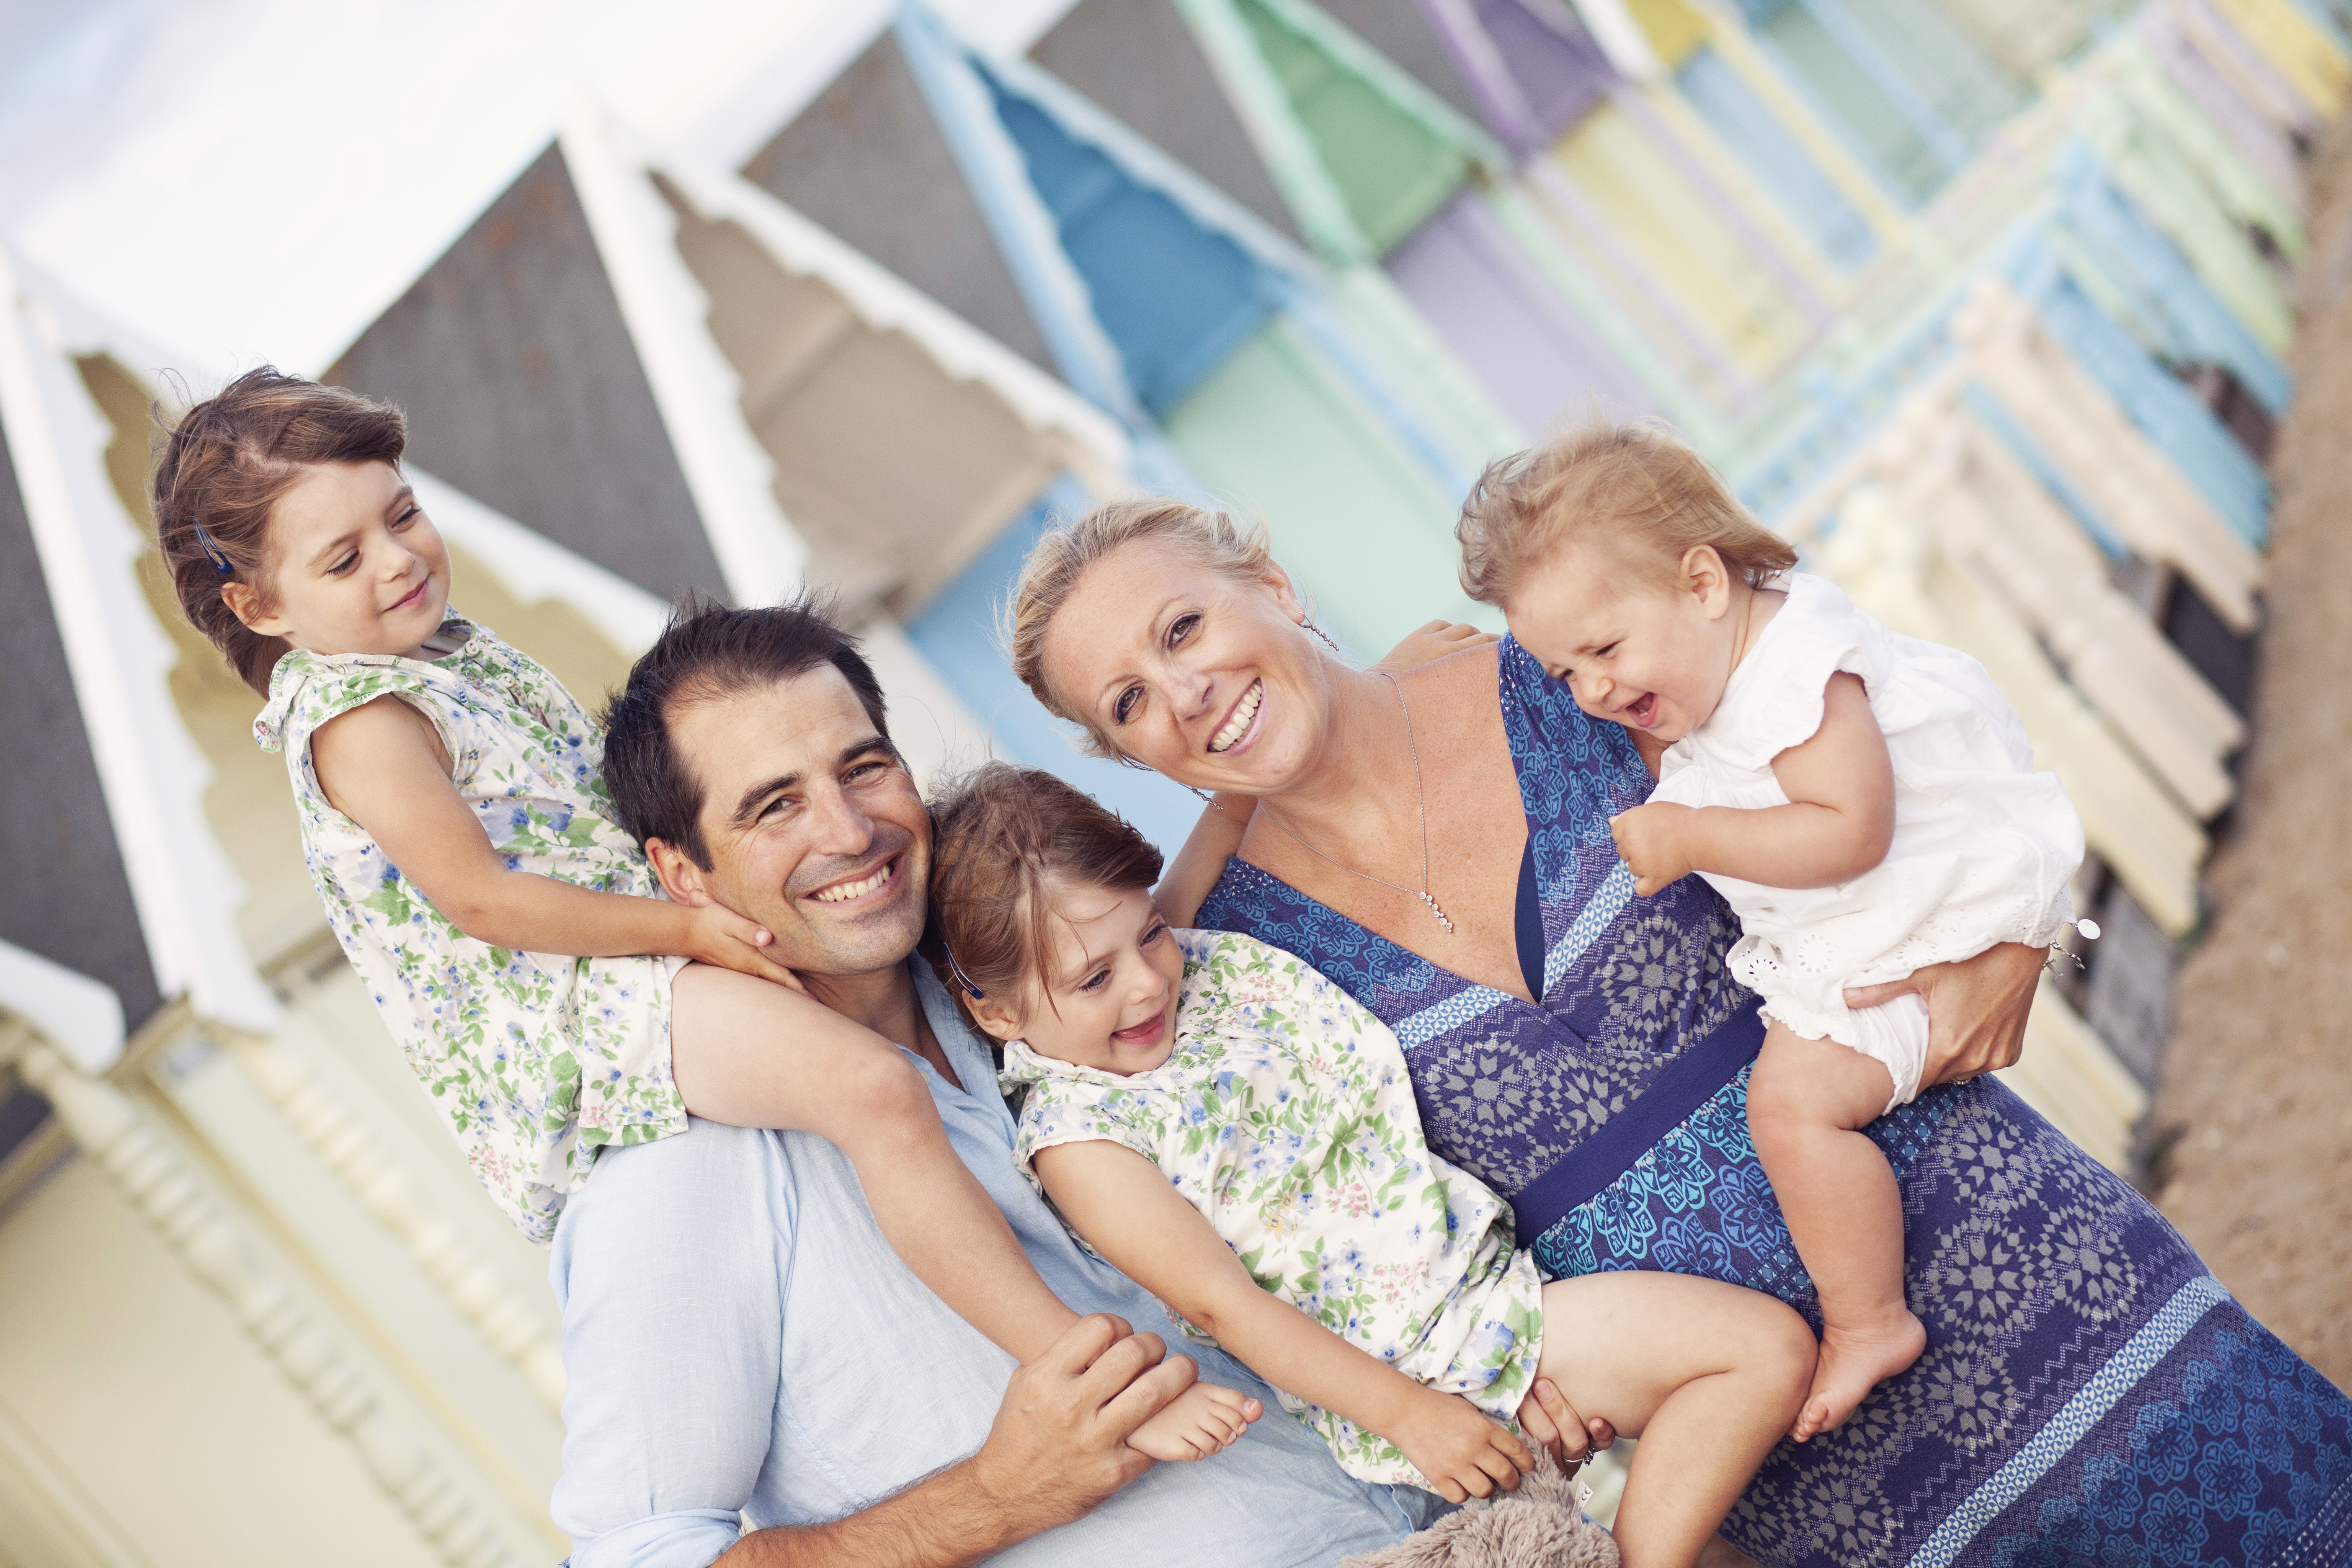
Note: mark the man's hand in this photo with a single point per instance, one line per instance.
(1461, 1450)
(1976, 1009)
(718, 935)
(1655, 841)
(1058, 1447)
(1428, 643)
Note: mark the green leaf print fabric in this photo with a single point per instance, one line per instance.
(535, 1062)
(1285, 1116)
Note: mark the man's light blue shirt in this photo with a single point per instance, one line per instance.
(743, 1347)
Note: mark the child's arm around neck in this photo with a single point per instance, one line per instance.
(383, 765)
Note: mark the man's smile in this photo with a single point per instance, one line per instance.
(866, 885)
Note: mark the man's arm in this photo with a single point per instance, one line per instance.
(1057, 1449)
(669, 1268)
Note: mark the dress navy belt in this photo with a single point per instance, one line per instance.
(1685, 1084)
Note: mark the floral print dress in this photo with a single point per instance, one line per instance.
(535, 1062)
(1285, 1116)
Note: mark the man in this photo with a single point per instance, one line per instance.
(744, 1350)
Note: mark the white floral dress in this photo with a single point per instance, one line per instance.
(535, 1062)
(1285, 1115)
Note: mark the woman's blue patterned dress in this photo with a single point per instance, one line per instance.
(2090, 1394)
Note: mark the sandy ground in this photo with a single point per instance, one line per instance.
(2257, 1089)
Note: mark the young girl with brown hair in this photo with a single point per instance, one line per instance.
(459, 832)
(1240, 1137)
(1866, 802)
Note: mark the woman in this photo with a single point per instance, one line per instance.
(1437, 842)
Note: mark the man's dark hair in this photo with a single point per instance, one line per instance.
(709, 652)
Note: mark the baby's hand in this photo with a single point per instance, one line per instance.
(720, 936)
(1202, 1420)
(1652, 839)
(1463, 1451)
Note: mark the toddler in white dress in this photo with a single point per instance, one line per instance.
(1865, 801)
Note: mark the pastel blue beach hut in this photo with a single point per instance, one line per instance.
(1244, 371)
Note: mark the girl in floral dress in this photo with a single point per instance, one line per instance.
(550, 1002)
(1239, 1136)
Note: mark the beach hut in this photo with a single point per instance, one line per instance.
(1243, 369)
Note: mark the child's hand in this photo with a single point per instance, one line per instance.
(1461, 1450)
(1653, 840)
(720, 936)
(1427, 644)
(1202, 1420)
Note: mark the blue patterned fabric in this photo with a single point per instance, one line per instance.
(2090, 1395)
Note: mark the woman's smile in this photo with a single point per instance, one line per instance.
(1241, 725)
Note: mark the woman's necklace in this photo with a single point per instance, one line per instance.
(1421, 892)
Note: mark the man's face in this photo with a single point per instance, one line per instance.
(814, 824)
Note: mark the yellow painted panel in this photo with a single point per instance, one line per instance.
(1687, 249)
(1674, 29)
(2295, 48)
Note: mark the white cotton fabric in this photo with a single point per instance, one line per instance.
(1984, 846)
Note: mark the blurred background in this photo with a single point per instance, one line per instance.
(2024, 319)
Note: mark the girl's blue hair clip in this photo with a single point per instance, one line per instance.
(962, 978)
(213, 551)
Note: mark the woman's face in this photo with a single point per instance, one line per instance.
(1208, 679)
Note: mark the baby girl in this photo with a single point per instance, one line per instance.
(1866, 802)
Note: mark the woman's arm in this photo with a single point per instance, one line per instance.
(382, 766)
(1126, 1210)
(1185, 884)
(1977, 1009)
(1837, 825)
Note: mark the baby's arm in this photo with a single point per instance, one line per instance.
(1838, 824)
(1126, 1208)
(382, 766)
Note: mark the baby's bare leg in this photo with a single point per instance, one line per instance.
(1808, 1101)
(753, 1054)
(1706, 1374)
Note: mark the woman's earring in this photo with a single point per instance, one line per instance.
(1320, 636)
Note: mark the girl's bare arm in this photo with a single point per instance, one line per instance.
(1838, 824)
(382, 766)
(1126, 1208)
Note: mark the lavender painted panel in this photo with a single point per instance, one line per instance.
(1559, 76)
(1525, 344)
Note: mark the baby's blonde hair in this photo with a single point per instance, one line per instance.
(1636, 487)
(1070, 549)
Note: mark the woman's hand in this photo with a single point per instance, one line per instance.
(1461, 1450)
(1550, 1421)
(718, 935)
(1976, 1009)
(1427, 644)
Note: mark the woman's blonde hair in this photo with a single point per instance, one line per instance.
(1633, 486)
(1070, 549)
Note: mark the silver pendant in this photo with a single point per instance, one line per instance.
(1442, 917)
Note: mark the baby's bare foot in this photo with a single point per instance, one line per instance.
(1854, 1361)
(1197, 1423)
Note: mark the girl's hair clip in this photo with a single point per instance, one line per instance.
(962, 978)
(213, 551)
